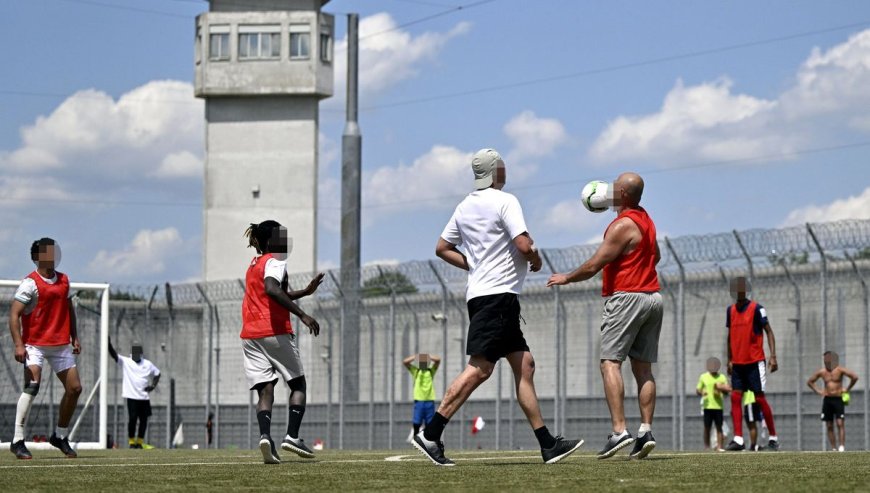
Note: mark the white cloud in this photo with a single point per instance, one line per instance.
(182, 164)
(146, 254)
(384, 262)
(854, 207)
(533, 136)
(23, 191)
(569, 216)
(391, 57)
(710, 121)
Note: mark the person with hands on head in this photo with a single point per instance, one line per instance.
(487, 236)
(632, 318)
(140, 378)
(42, 322)
(269, 344)
(746, 323)
(834, 396)
(423, 374)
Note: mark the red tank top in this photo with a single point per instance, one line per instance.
(261, 315)
(746, 346)
(634, 272)
(48, 323)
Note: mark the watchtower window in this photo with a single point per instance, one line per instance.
(219, 43)
(300, 41)
(259, 42)
(325, 44)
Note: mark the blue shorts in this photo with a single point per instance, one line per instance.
(752, 376)
(424, 411)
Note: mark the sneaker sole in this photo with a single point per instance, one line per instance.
(426, 454)
(296, 450)
(610, 453)
(566, 454)
(266, 450)
(644, 451)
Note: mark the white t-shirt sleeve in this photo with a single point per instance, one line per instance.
(451, 231)
(512, 217)
(276, 269)
(26, 291)
(155, 372)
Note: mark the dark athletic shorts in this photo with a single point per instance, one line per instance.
(752, 376)
(494, 330)
(833, 408)
(752, 413)
(713, 416)
(138, 408)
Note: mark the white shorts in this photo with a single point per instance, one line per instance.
(61, 358)
(268, 358)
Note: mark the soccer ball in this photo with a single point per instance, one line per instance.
(594, 196)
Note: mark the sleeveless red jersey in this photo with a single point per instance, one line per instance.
(634, 272)
(261, 315)
(49, 323)
(746, 346)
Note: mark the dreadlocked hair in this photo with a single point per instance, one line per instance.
(259, 235)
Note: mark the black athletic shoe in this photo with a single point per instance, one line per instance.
(643, 445)
(63, 446)
(433, 450)
(297, 446)
(615, 443)
(267, 448)
(734, 447)
(20, 450)
(563, 448)
(773, 445)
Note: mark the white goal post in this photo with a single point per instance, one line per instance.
(103, 293)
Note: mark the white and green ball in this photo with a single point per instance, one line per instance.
(595, 197)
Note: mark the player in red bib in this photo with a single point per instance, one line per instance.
(269, 344)
(746, 321)
(43, 326)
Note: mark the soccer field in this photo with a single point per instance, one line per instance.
(162, 470)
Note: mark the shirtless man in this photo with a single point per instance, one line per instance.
(832, 396)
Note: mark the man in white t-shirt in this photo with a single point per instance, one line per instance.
(140, 378)
(487, 236)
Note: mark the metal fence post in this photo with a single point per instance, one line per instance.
(556, 342)
(371, 380)
(746, 256)
(341, 359)
(864, 290)
(118, 321)
(498, 406)
(824, 288)
(674, 432)
(681, 343)
(170, 329)
(444, 297)
(799, 388)
(391, 358)
(210, 356)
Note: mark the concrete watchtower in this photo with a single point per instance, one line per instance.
(262, 67)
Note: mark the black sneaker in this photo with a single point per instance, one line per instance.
(433, 450)
(20, 450)
(62, 445)
(615, 443)
(643, 445)
(773, 445)
(267, 448)
(734, 447)
(563, 448)
(297, 446)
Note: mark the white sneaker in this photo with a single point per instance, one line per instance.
(841, 449)
(267, 448)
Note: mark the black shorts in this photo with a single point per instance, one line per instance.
(494, 328)
(833, 408)
(138, 408)
(752, 376)
(712, 416)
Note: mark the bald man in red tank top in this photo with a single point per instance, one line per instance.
(632, 318)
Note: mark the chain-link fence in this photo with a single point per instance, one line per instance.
(809, 278)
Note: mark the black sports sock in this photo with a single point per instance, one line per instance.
(264, 419)
(294, 421)
(435, 428)
(545, 439)
(416, 429)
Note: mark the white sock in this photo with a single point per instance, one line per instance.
(738, 439)
(21, 413)
(644, 427)
(61, 432)
(773, 437)
(620, 435)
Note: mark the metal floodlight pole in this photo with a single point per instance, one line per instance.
(445, 294)
(351, 159)
(864, 290)
(556, 342)
(681, 343)
(799, 388)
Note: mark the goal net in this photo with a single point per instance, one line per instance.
(89, 426)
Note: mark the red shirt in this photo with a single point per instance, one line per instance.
(746, 343)
(261, 315)
(634, 272)
(49, 323)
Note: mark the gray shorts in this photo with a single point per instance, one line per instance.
(630, 326)
(270, 358)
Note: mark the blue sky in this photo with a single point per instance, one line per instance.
(101, 138)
